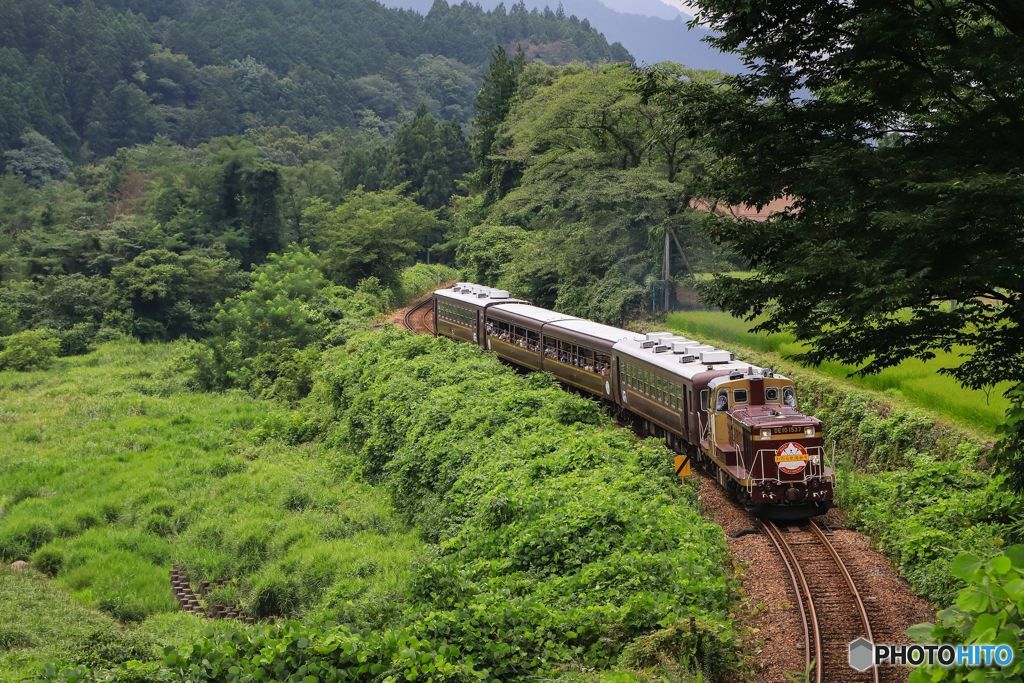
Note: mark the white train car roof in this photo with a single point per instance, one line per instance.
(531, 312)
(589, 328)
(686, 358)
(475, 295)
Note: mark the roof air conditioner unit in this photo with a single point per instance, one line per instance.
(647, 344)
(662, 348)
(687, 359)
(696, 349)
(658, 336)
(712, 357)
(499, 294)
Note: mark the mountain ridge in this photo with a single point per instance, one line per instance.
(650, 38)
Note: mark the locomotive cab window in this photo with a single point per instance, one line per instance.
(771, 394)
(722, 403)
(789, 396)
(739, 396)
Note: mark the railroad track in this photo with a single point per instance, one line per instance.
(420, 317)
(831, 610)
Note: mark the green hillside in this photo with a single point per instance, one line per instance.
(362, 514)
(103, 74)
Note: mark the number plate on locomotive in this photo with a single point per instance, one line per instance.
(787, 430)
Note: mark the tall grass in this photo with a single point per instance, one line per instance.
(111, 472)
(914, 381)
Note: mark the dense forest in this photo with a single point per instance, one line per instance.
(155, 153)
(98, 75)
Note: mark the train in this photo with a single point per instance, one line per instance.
(734, 420)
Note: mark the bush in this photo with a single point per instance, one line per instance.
(267, 340)
(29, 350)
(77, 339)
(422, 278)
(987, 611)
(561, 539)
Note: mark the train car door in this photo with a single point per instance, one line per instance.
(720, 420)
(686, 415)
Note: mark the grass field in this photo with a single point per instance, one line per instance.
(917, 382)
(111, 472)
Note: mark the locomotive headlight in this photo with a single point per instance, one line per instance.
(808, 431)
(766, 433)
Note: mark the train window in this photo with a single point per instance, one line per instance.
(524, 338)
(722, 403)
(771, 394)
(704, 395)
(789, 396)
(456, 314)
(739, 396)
(499, 330)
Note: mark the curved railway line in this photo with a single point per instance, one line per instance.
(420, 317)
(832, 612)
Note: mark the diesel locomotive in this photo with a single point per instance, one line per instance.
(734, 419)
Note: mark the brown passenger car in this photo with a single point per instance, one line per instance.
(579, 353)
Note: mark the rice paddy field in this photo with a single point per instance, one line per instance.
(915, 382)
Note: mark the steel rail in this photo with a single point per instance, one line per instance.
(407, 318)
(812, 630)
(808, 615)
(865, 620)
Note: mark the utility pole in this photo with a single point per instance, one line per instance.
(666, 268)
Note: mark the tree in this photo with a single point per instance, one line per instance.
(371, 234)
(121, 118)
(38, 162)
(267, 339)
(429, 157)
(602, 177)
(906, 229)
(165, 295)
(483, 254)
(492, 106)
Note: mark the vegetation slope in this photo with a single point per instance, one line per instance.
(425, 495)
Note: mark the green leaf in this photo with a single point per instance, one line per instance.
(921, 633)
(972, 600)
(1000, 564)
(965, 566)
(1015, 589)
(1016, 555)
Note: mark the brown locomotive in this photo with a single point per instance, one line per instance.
(735, 419)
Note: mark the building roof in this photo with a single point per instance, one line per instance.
(776, 206)
(597, 330)
(541, 315)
